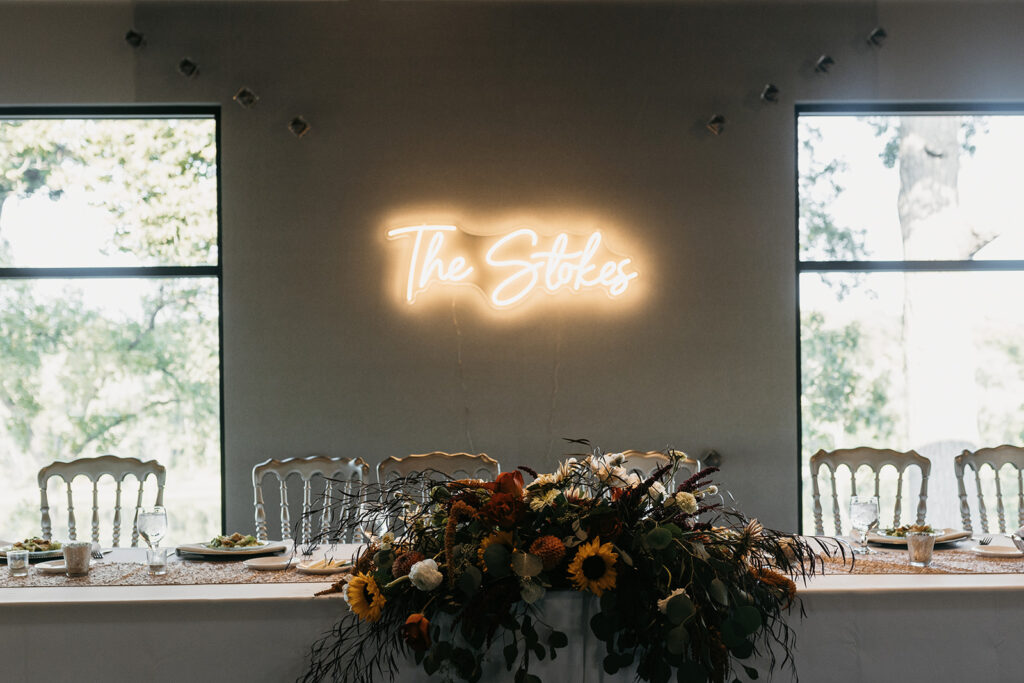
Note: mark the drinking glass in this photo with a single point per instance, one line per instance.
(920, 545)
(17, 561)
(863, 517)
(152, 525)
(156, 558)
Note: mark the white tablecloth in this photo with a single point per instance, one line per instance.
(902, 628)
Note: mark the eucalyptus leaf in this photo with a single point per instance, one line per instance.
(718, 592)
(680, 608)
(658, 538)
(748, 619)
(469, 580)
(531, 591)
(526, 564)
(510, 652)
(558, 639)
(677, 640)
(497, 558)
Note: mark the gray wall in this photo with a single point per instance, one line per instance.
(483, 112)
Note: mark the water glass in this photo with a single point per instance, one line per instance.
(17, 561)
(152, 524)
(77, 555)
(920, 545)
(863, 518)
(156, 558)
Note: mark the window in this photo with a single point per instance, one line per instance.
(110, 307)
(911, 289)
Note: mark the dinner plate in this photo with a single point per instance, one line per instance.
(308, 567)
(945, 536)
(53, 567)
(270, 564)
(996, 551)
(37, 555)
(204, 549)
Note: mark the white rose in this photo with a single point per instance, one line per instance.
(656, 492)
(686, 502)
(425, 576)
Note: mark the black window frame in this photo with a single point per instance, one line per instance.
(874, 266)
(144, 111)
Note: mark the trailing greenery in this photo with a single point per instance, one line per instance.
(686, 590)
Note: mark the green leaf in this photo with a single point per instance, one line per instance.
(732, 633)
(470, 580)
(680, 608)
(531, 591)
(538, 650)
(677, 640)
(510, 652)
(496, 557)
(743, 650)
(431, 664)
(658, 538)
(611, 664)
(748, 618)
(558, 639)
(464, 661)
(718, 592)
(526, 564)
(751, 672)
(601, 627)
(607, 601)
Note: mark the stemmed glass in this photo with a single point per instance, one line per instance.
(152, 523)
(863, 518)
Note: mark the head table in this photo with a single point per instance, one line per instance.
(931, 625)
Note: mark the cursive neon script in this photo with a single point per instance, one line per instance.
(514, 265)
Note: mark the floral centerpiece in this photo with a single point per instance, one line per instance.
(687, 590)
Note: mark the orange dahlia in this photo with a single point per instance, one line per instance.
(549, 549)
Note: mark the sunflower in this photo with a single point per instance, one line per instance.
(593, 568)
(365, 598)
(502, 537)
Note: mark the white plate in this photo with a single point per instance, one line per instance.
(996, 551)
(270, 564)
(308, 568)
(53, 567)
(945, 536)
(203, 549)
(37, 555)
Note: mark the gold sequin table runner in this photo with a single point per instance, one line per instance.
(958, 560)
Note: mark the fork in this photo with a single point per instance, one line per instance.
(985, 540)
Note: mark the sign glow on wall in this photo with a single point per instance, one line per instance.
(508, 268)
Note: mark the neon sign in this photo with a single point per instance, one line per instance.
(513, 265)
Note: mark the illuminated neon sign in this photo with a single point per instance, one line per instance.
(508, 268)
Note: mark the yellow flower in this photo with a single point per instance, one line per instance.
(593, 568)
(364, 597)
(502, 537)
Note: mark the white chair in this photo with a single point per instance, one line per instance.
(645, 463)
(93, 469)
(454, 465)
(875, 459)
(995, 457)
(342, 475)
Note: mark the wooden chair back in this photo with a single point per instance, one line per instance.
(342, 475)
(995, 457)
(875, 459)
(93, 469)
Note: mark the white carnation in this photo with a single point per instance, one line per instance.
(686, 502)
(425, 575)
